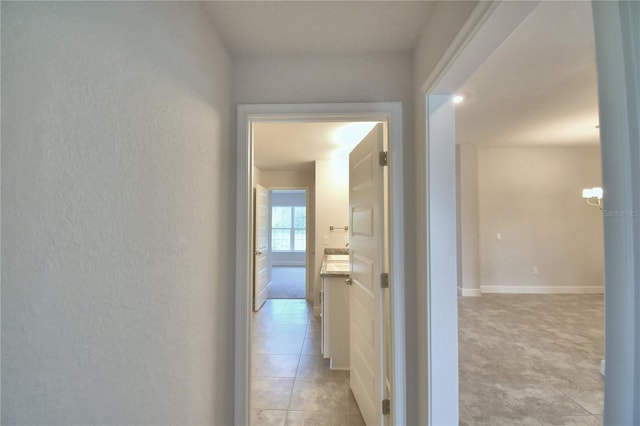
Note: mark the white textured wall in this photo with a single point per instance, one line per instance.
(117, 283)
(322, 78)
(532, 197)
(332, 208)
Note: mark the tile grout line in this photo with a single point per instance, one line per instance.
(310, 325)
(295, 379)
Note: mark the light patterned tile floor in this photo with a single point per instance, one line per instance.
(524, 360)
(531, 359)
(291, 383)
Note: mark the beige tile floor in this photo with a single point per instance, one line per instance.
(531, 359)
(291, 383)
(524, 360)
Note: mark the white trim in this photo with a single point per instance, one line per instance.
(548, 289)
(490, 23)
(441, 263)
(487, 27)
(291, 263)
(469, 292)
(339, 368)
(244, 182)
(617, 38)
(477, 18)
(391, 112)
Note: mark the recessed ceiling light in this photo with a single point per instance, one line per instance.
(457, 99)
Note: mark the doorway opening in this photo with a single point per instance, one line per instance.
(565, 194)
(288, 230)
(248, 116)
(528, 244)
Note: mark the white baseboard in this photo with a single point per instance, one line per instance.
(505, 289)
(338, 368)
(291, 263)
(473, 292)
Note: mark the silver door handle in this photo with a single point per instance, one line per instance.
(348, 281)
(258, 253)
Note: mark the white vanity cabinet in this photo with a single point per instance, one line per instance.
(335, 321)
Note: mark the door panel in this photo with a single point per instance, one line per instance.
(363, 222)
(261, 248)
(366, 224)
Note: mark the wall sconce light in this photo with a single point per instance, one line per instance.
(593, 196)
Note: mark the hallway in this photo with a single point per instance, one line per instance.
(291, 383)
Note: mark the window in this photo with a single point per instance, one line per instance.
(288, 228)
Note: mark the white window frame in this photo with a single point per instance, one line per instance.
(292, 230)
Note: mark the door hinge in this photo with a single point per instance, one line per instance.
(384, 280)
(384, 158)
(386, 407)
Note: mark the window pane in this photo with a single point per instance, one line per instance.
(280, 239)
(300, 240)
(300, 217)
(281, 217)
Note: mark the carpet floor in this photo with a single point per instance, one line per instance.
(287, 282)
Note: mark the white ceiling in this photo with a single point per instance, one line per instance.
(538, 88)
(295, 146)
(317, 27)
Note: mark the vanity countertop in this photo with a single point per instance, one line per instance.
(335, 263)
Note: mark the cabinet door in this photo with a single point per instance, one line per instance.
(337, 314)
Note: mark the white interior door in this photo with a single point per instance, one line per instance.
(366, 224)
(261, 248)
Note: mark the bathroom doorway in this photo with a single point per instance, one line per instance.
(255, 335)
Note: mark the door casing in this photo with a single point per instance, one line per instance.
(488, 26)
(260, 221)
(389, 112)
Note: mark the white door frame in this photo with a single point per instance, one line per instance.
(390, 112)
(617, 36)
(488, 26)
